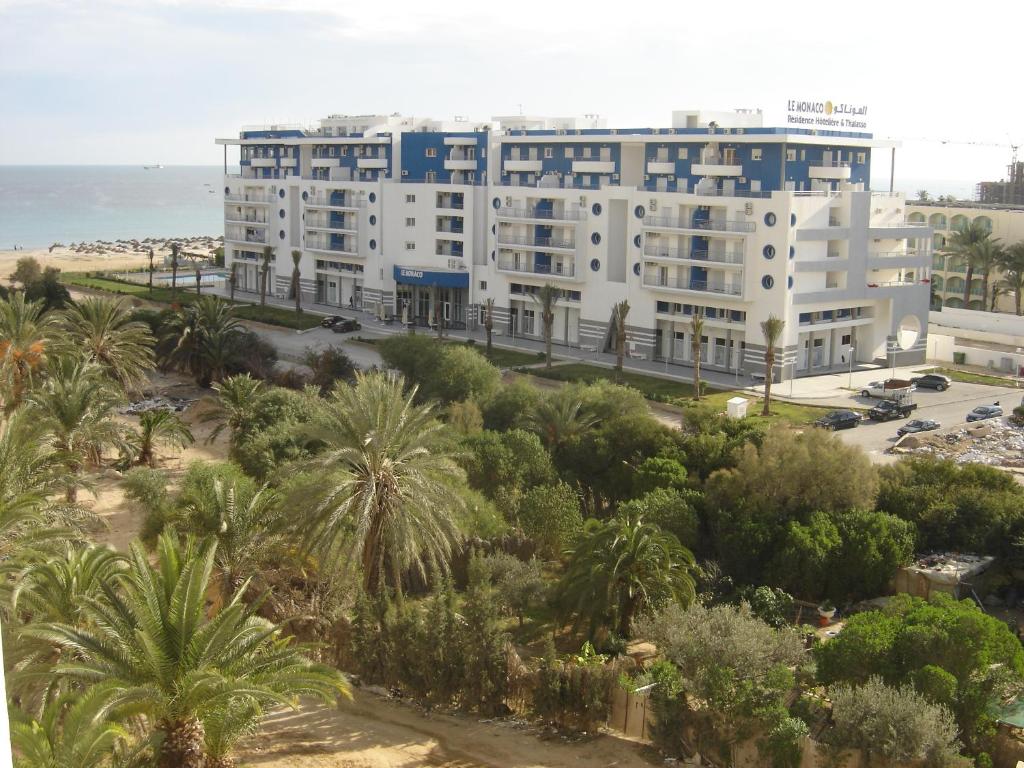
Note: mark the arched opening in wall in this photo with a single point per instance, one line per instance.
(908, 332)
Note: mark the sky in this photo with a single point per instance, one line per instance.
(146, 81)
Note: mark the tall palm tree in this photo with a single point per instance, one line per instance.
(27, 335)
(547, 295)
(489, 322)
(233, 280)
(75, 406)
(559, 418)
(622, 566)
(268, 254)
(296, 288)
(158, 427)
(963, 242)
(56, 589)
(200, 339)
(619, 313)
(987, 254)
(772, 331)
(696, 334)
(74, 730)
(165, 656)
(1012, 265)
(390, 482)
(175, 253)
(237, 398)
(104, 331)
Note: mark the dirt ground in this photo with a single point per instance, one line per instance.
(372, 732)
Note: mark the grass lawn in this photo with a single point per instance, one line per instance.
(503, 358)
(681, 394)
(976, 378)
(287, 318)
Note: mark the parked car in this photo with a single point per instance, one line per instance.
(934, 381)
(891, 409)
(917, 425)
(890, 389)
(330, 320)
(839, 420)
(983, 412)
(346, 325)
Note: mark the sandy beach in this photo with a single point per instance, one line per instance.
(107, 254)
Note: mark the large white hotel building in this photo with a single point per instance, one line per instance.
(716, 215)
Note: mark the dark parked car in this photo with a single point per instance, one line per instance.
(839, 420)
(330, 321)
(932, 381)
(346, 325)
(917, 425)
(890, 409)
(983, 412)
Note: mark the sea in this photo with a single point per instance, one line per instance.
(45, 204)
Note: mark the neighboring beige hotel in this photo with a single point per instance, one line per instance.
(1005, 222)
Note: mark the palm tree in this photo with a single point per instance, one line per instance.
(547, 295)
(772, 331)
(57, 588)
(74, 730)
(268, 254)
(1012, 265)
(175, 252)
(987, 254)
(963, 242)
(104, 331)
(237, 398)
(233, 280)
(75, 406)
(391, 482)
(696, 335)
(622, 566)
(158, 427)
(27, 334)
(559, 418)
(200, 339)
(165, 656)
(150, 271)
(489, 322)
(296, 288)
(619, 313)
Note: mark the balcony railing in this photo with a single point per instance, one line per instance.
(834, 222)
(568, 214)
(326, 202)
(336, 226)
(245, 220)
(452, 228)
(450, 205)
(536, 242)
(686, 284)
(248, 238)
(718, 161)
(568, 270)
(246, 198)
(715, 225)
(699, 255)
(893, 283)
(331, 247)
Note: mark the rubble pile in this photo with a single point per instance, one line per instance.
(158, 403)
(992, 442)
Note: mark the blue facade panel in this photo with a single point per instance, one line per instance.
(424, 153)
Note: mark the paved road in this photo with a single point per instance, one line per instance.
(949, 408)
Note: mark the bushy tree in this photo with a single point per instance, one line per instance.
(550, 515)
(672, 510)
(710, 441)
(328, 367)
(463, 374)
(506, 464)
(511, 406)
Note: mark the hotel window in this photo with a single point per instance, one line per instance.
(755, 154)
(410, 246)
(790, 155)
(483, 285)
(431, 177)
(410, 198)
(410, 221)
(431, 151)
(586, 153)
(862, 158)
(549, 153)
(683, 153)
(568, 153)
(344, 151)
(803, 155)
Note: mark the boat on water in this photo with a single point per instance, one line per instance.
(152, 167)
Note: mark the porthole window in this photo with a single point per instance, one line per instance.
(767, 282)
(373, 220)
(792, 251)
(373, 197)
(792, 219)
(281, 213)
(281, 234)
(595, 264)
(494, 229)
(227, 190)
(281, 194)
(496, 202)
(595, 238)
(305, 196)
(636, 241)
(636, 269)
(789, 281)
(769, 251)
(640, 211)
(373, 245)
(596, 208)
(769, 219)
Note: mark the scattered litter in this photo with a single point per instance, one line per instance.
(173, 404)
(996, 444)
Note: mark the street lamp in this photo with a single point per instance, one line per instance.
(850, 353)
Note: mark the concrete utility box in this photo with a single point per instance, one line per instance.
(737, 407)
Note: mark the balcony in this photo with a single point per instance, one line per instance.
(350, 227)
(319, 246)
(710, 225)
(451, 204)
(263, 162)
(654, 252)
(836, 171)
(563, 271)
(660, 166)
(539, 243)
(451, 227)
(523, 166)
(336, 205)
(250, 237)
(593, 166)
(833, 221)
(460, 141)
(325, 162)
(457, 162)
(899, 230)
(899, 284)
(716, 166)
(234, 218)
(380, 163)
(542, 214)
(248, 197)
(686, 284)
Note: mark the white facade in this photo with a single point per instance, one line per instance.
(590, 210)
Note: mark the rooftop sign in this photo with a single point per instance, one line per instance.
(827, 114)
